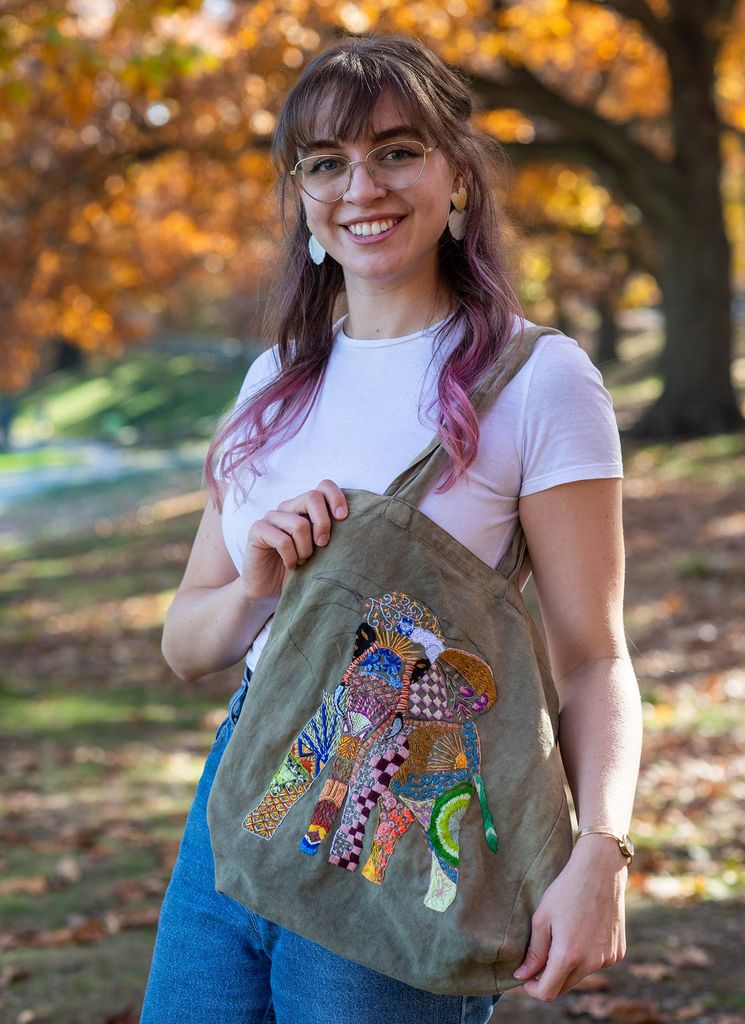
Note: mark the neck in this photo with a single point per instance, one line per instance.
(378, 309)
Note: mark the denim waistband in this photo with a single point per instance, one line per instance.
(236, 701)
(225, 729)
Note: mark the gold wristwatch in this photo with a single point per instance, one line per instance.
(625, 844)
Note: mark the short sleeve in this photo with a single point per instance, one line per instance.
(260, 372)
(569, 425)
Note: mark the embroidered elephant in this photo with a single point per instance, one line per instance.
(400, 729)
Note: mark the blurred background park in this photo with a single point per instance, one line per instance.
(138, 228)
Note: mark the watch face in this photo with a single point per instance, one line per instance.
(627, 846)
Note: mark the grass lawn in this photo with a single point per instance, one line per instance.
(147, 396)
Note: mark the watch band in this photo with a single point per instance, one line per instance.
(625, 844)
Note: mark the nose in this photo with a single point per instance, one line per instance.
(363, 186)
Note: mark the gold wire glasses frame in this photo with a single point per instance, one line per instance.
(328, 176)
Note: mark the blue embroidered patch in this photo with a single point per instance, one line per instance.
(384, 663)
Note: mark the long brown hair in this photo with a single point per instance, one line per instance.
(348, 79)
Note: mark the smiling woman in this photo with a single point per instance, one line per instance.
(393, 200)
(379, 495)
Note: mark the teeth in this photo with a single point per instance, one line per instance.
(371, 227)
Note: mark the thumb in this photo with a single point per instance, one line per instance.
(537, 955)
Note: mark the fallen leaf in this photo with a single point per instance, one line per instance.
(67, 872)
(614, 1008)
(127, 1016)
(140, 918)
(652, 971)
(636, 1011)
(688, 956)
(596, 1006)
(128, 891)
(92, 930)
(690, 1012)
(10, 974)
(34, 885)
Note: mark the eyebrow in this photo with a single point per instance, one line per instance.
(388, 133)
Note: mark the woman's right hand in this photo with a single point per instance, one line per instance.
(285, 537)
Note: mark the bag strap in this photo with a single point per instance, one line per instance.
(413, 482)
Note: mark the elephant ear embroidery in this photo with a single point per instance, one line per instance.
(470, 684)
(398, 730)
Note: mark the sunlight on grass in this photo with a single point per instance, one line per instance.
(710, 703)
(142, 612)
(172, 508)
(81, 401)
(713, 458)
(57, 711)
(142, 396)
(33, 458)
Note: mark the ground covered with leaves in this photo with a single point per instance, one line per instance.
(102, 745)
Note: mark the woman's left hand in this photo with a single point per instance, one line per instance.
(579, 925)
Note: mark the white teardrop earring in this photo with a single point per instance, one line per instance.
(457, 218)
(316, 250)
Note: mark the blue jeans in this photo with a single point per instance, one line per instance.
(216, 962)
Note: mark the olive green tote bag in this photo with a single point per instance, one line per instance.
(393, 789)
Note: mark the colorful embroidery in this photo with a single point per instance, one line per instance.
(304, 762)
(447, 814)
(393, 821)
(490, 831)
(399, 733)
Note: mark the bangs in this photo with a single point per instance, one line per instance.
(338, 104)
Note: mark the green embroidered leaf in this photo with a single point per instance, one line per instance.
(490, 832)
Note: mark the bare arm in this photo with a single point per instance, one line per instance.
(575, 538)
(218, 612)
(212, 620)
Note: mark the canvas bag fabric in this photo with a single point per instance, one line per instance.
(393, 789)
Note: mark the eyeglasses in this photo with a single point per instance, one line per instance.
(396, 165)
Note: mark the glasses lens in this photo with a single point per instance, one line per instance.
(397, 165)
(324, 177)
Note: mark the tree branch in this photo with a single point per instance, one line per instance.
(656, 205)
(701, 14)
(611, 142)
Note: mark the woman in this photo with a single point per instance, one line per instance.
(373, 145)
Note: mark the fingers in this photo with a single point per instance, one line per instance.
(299, 523)
(297, 545)
(335, 497)
(322, 500)
(319, 506)
(537, 955)
(564, 969)
(265, 534)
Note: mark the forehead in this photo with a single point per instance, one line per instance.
(383, 113)
(336, 120)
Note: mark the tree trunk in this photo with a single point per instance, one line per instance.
(563, 321)
(698, 398)
(680, 202)
(694, 275)
(607, 346)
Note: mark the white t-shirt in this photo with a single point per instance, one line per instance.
(553, 423)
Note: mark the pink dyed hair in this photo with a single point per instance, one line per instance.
(353, 74)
